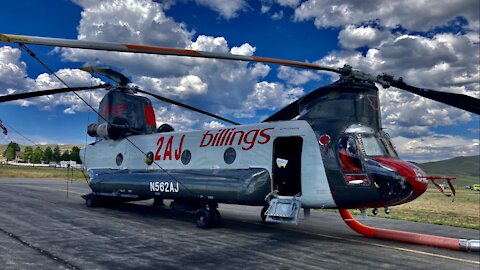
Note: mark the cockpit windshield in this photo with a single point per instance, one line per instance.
(376, 145)
(372, 146)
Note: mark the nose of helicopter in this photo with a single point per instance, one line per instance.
(415, 176)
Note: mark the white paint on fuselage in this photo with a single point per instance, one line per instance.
(253, 150)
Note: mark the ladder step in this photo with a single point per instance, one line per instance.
(283, 210)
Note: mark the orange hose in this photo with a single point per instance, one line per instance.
(401, 236)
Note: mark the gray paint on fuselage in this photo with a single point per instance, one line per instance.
(239, 186)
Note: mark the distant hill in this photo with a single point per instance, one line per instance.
(465, 169)
(468, 166)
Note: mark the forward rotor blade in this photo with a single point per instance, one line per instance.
(132, 48)
(460, 101)
(187, 106)
(13, 97)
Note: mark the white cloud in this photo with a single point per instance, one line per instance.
(296, 76)
(410, 14)
(178, 118)
(436, 147)
(288, 3)
(212, 125)
(227, 9)
(444, 62)
(270, 96)
(14, 79)
(277, 15)
(352, 37)
(13, 72)
(219, 86)
(245, 49)
(179, 87)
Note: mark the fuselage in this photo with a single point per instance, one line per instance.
(183, 157)
(334, 155)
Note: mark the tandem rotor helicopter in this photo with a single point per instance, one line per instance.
(325, 150)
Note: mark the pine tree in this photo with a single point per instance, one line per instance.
(56, 153)
(12, 148)
(65, 156)
(48, 155)
(75, 155)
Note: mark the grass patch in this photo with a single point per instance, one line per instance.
(40, 172)
(435, 208)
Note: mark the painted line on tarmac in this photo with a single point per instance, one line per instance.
(389, 247)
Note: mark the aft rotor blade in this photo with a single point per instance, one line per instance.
(132, 48)
(13, 97)
(460, 101)
(187, 106)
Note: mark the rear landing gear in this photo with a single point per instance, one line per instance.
(91, 200)
(208, 217)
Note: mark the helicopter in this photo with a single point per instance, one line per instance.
(325, 150)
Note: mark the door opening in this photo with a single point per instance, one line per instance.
(287, 155)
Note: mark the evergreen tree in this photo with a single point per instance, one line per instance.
(37, 156)
(65, 156)
(56, 153)
(12, 148)
(75, 155)
(48, 155)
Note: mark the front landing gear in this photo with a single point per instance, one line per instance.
(208, 216)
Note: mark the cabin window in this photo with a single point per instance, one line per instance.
(229, 155)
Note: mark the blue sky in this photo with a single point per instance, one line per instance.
(432, 44)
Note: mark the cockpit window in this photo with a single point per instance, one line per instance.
(388, 145)
(372, 146)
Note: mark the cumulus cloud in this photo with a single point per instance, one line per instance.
(288, 3)
(436, 147)
(352, 37)
(14, 79)
(179, 119)
(227, 9)
(217, 86)
(444, 62)
(270, 96)
(297, 76)
(212, 125)
(410, 14)
(277, 15)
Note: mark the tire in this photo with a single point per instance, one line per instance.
(262, 213)
(91, 201)
(203, 218)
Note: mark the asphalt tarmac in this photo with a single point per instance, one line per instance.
(44, 227)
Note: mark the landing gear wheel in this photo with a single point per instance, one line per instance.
(262, 213)
(387, 211)
(375, 211)
(91, 201)
(203, 218)
(215, 218)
